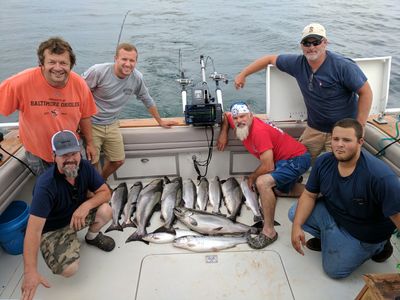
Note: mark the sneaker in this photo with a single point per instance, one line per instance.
(102, 242)
(260, 241)
(384, 254)
(314, 244)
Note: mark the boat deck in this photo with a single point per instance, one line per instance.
(139, 271)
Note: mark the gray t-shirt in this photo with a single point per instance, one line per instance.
(112, 93)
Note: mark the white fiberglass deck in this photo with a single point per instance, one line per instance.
(139, 271)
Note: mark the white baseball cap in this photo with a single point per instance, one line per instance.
(314, 30)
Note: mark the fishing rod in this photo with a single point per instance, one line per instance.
(217, 77)
(122, 27)
(382, 151)
(22, 162)
(183, 81)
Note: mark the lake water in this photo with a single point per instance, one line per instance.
(233, 33)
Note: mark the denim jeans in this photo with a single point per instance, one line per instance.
(341, 252)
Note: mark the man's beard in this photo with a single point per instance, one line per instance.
(70, 170)
(346, 158)
(314, 56)
(242, 132)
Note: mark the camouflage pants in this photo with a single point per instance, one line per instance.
(60, 248)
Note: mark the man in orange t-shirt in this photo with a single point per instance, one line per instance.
(49, 98)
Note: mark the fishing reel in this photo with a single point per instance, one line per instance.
(219, 77)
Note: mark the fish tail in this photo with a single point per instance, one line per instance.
(130, 224)
(165, 229)
(114, 227)
(257, 219)
(259, 224)
(136, 237)
(232, 218)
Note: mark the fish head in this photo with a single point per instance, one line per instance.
(181, 212)
(166, 180)
(122, 185)
(138, 183)
(181, 240)
(185, 242)
(178, 180)
(185, 214)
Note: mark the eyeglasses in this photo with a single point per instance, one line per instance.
(314, 43)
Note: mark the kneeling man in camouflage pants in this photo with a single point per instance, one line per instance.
(59, 209)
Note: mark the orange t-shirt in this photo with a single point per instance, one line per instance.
(44, 109)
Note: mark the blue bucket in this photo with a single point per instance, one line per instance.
(12, 227)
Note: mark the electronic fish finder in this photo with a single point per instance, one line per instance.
(203, 114)
(203, 110)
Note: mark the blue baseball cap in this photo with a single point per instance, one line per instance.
(64, 142)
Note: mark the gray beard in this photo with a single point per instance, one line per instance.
(311, 57)
(242, 132)
(70, 172)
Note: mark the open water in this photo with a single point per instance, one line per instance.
(232, 33)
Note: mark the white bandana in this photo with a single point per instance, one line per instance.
(239, 108)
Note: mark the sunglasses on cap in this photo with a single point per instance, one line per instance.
(314, 43)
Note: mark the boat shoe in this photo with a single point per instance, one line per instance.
(102, 242)
(314, 244)
(384, 254)
(260, 241)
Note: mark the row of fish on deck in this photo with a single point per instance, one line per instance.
(187, 202)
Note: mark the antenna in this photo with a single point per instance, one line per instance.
(122, 27)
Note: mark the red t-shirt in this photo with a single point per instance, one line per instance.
(43, 109)
(263, 136)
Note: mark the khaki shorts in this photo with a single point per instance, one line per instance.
(109, 139)
(316, 141)
(60, 248)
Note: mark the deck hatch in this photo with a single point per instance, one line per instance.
(225, 275)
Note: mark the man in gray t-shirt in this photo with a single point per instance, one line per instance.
(112, 85)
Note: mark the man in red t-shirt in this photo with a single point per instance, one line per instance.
(49, 98)
(282, 161)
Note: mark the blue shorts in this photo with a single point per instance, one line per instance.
(288, 171)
